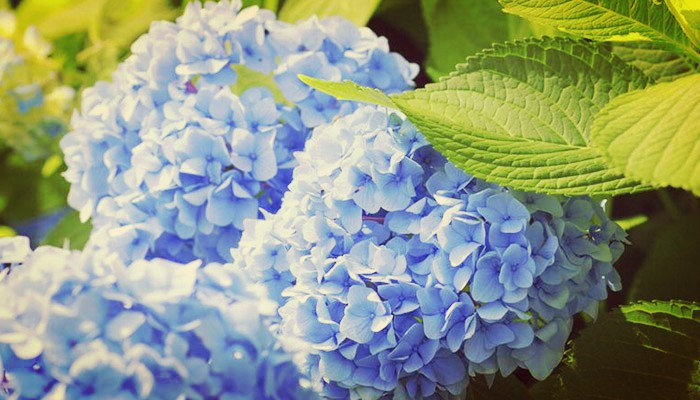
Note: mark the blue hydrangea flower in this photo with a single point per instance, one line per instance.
(197, 130)
(404, 276)
(85, 325)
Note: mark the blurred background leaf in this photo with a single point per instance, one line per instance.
(670, 269)
(647, 350)
(69, 231)
(358, 12)
(458, 28)
(55, 18)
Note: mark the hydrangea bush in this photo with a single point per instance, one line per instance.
(197, 129)
(35, 106)
(83, 325)
(402, 276)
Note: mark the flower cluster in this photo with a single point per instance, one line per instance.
(35, 108)
(403, 275)
(82, 325)
(196, 132)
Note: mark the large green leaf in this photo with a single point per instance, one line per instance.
(457, 28)
(656, 62)
(654, 134)
(520, 115)
(607, 19)
(358, 12)
(670, 269)
(648, 350)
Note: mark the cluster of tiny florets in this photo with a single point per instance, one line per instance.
(197, 131)
(82, 325)
(402, 275)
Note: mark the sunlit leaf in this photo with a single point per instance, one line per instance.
(614, 20)
(653, 134)
(687, 13)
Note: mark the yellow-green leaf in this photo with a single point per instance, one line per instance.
(358, 12)
(614, 20)
(654, 134)
(348, 90)
(687, 13)
(55, 18)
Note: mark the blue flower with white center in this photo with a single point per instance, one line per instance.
(414, 349)
(364, 314)
(505, 213)
(197, 130)
(517, 270)
(407, 275)
(84, 325)
(434, 303)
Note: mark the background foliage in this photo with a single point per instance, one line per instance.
(559, 96)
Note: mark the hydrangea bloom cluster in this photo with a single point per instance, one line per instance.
(84, 326)
(196, 132)
(36, 107)
(403, 275)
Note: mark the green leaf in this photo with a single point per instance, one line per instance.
(358, 12)
(520, 114)
(631, 222)
(648, 350)
(687, 13)
(614, 20)
(248, 78)
(348, 90)
(670, 270)
(653, 134)
(458, 28)
(122, 21)
(69, 230)
(268, 4)
(28, 193)
(656, 62)
(55, 18)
